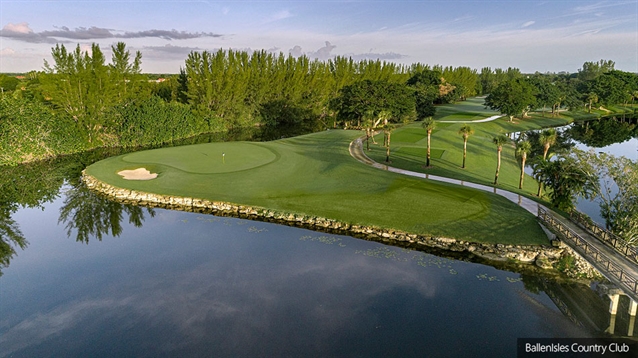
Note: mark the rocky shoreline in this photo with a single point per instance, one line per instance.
(545, 257)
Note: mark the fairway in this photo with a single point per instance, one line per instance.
(314, 175)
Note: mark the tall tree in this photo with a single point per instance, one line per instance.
(358, 100)
(499, 141)
(618, 192)
(387, 130)
(547, 93)
(511, 97)
(591, 70)
(568, 178)
(546, 139)
(425, 84)
(82, 85)
(466, 131)
(429, 125)
(591, 98)
(522, 150)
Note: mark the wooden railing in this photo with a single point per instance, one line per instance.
(605, 236)
(611, 270)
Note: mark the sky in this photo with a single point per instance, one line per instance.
(544, 36)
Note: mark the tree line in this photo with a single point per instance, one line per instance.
(82, 101)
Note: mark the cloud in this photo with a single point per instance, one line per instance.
(167, 35)
(80, 33)
(283, 14)
(322, 53)
(325, 53)
(376, 56)
(21, 28)
(529, 23)
(586, 9)
(22, 32)
(169, 50)
(7, 51)
(296, 51)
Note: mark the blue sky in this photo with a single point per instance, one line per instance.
(531, 35)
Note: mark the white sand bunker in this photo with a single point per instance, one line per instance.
(137, 174)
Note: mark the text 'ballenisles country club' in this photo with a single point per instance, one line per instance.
(576, 348)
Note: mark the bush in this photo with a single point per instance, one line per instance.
(29, 131)
(153, 121)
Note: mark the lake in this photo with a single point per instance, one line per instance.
(101, 279)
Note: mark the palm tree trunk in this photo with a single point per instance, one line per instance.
(498, 165)
(540, 189)
(427, 162)
(545, 150)
(523, 159)
(464, 152)
(387, 151)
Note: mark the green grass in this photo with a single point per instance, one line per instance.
(315, 175)
(448, 146)
(469, 110)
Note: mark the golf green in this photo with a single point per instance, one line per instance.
(210, 158)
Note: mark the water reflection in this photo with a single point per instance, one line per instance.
(186, 284)
(91, 215)
(10, 238)
(603, 132)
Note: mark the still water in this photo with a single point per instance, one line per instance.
(101, 279)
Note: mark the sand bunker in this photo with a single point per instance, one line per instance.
(137, 174)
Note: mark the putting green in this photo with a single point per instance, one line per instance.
(208, 158)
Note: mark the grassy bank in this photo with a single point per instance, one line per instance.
(315, 175)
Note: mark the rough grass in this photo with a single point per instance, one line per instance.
(315, 175)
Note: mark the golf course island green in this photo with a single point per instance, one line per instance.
(314, 175)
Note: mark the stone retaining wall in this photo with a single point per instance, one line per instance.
(545, 257)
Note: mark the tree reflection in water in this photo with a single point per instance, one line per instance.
(603, 132)
(92, 215)
(10, 238)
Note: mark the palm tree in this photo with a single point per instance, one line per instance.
(547, 138)
(428, 124)
(540, 166)
(499, 141)
(591, 98)
(387, 129)
(368, 121)
(522, 149)
(466, 131)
